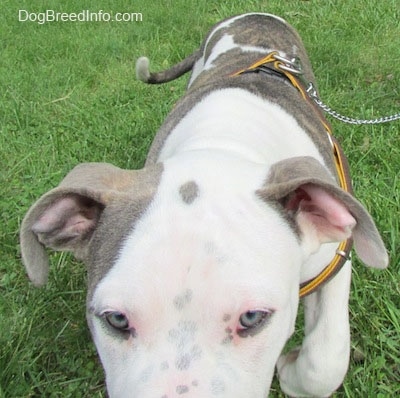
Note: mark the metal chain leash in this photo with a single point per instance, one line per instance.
(312, 93)
(294, 66)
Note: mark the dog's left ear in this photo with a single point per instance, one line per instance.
(321, 210)
(66, 217)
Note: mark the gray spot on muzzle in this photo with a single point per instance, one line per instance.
(182, 389)
(182, 299)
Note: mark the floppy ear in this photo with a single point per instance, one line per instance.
(323, 211)
(66, 217)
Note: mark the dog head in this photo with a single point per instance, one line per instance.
(193, 285)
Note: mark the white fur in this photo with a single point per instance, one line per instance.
(142, 69)
(324, 355)
(269, 135)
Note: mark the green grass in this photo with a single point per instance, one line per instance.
(68, 95)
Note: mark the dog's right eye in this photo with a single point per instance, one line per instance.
(117, 320)
(252, 322)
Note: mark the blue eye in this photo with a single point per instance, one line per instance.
(251, 322)
(117, 320)
(251, 319)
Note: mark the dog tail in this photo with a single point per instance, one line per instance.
(143, 71)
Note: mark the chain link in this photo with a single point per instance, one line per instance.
(294, 66)
(312, 93)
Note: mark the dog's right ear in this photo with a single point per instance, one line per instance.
(321, 210)
(66, 217)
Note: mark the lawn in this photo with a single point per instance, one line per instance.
(69, 95)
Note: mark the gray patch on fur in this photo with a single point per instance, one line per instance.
(182, 389)
(229, 336)
(183, 334)
(189, 192)
(184, 360)
(182, 299)
(183, 338)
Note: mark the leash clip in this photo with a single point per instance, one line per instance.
(289, 65)
(293, 67)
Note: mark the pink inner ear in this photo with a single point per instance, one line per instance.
(69, 216)
(330, 217)
(56, 214)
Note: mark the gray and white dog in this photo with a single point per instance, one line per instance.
(195, 261)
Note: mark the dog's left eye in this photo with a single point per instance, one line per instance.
(117, 320)
(250, 322)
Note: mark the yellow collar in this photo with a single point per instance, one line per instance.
(273, 63)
